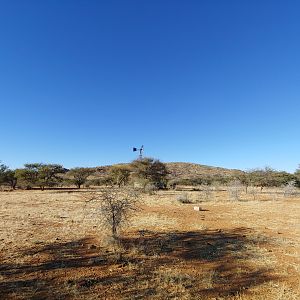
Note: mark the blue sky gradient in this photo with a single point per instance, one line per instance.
(210, 82)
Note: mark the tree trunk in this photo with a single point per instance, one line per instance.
(114, 227)
(13, 184)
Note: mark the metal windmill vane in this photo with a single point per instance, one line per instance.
(141, 150)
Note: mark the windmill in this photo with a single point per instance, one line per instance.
(140, 150)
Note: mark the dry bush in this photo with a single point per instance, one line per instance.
(183, 198)
(235, 189)
(150, 189)
(207, 191)
(252, 190)
(116, 206)
(290, 189)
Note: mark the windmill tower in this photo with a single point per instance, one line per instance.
(141, 150)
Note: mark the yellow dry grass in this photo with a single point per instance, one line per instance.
(53, 247)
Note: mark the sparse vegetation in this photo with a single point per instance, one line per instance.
(150, 188)
(79, 176)
(290, 189)
(207, 191)
(297, 176)
(183, 198)
(3, 169)
(235, 190)
(168, 248)
(119, 174)
(268, 177)
(151, 170)
(252, 190)
(39, 174)
(7, 176)
(116, 205)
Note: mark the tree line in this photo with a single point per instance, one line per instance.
(144, 172)
(147, 173)
(265, 177)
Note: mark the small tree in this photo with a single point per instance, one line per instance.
(235, 189)
(3, 169)
(79, 176)
(48, 175)
(290, 189)
(116, 206)
(119, 174)
(244, 180)
(10, 178)
(150, 169)
(27, 176)
(297, 174)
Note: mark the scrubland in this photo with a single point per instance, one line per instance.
(53, 247)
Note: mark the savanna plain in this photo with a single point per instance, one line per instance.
(53, 247)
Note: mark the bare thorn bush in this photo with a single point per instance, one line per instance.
(183, 198)
(252, 190)
(207, 191)
(116, 206)
(235, 189)
(290, 189)
(150, 189)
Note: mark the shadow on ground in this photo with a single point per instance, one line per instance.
(138, 268)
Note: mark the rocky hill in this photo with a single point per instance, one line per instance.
(183, 170)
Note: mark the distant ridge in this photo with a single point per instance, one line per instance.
(184, 170)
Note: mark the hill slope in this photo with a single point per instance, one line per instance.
(182, 170)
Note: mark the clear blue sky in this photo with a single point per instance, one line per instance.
(211, 82)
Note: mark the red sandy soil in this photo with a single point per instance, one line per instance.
(53, 247)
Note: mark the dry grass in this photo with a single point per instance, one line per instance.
(53, 248)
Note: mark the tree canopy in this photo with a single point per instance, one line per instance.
(150, 169)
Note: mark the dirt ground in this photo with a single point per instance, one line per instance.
(53, 247)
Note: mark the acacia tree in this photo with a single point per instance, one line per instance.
(28, 175)
(3, 169)
(39, 174)
(269, 177)
(48, 175)
(119, 174)
(116, 206)
(297, 174)
(79, 176)
(244, 179)
(151, 170)
(10, 178)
